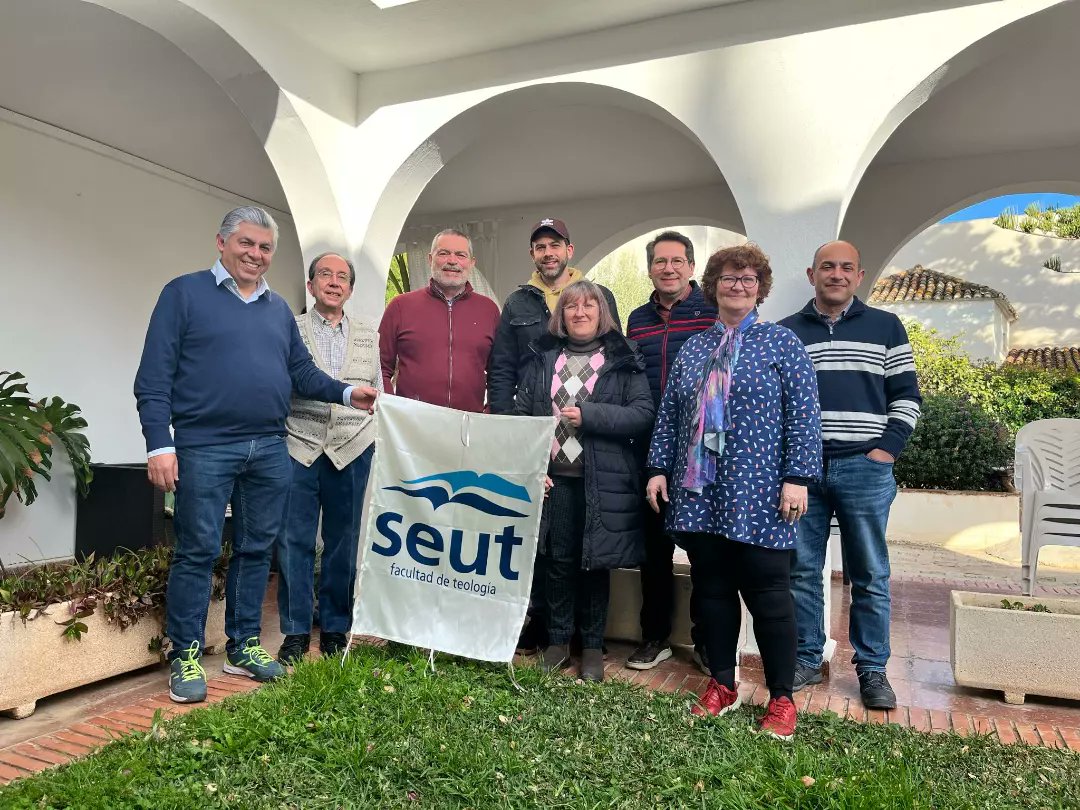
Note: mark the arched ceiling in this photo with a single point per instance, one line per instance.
(98, 74)
(1023, 97)
(364, 37)
(1006, 116)
(566, 150)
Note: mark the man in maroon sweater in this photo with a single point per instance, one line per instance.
(438, 339)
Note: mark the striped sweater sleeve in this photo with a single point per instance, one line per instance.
(901, 392)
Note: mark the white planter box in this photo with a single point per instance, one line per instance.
(36, 660)
(1017, 651)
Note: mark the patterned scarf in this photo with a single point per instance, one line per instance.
(713, 413)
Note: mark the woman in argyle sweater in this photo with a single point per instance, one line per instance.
(591, 379)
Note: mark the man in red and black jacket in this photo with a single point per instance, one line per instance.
(675, 311)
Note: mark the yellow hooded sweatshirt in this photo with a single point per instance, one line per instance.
(552, 296)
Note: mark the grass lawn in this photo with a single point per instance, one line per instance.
(382, 733)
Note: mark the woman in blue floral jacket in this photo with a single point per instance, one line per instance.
(737, 439)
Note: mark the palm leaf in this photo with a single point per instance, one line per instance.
(65, 422)
(28, 431)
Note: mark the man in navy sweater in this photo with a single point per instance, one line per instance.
(869, 405)
(221, 358)
(676, 310)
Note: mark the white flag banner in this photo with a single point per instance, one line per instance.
(448, 537)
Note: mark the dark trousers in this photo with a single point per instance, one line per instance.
(658, 581)
(721, 570)
(575, 598)
(321, 490)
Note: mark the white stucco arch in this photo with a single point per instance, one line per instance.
(969, 131)
(266, 105)
(595, 223)
(1071, 187)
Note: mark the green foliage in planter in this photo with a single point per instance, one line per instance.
(28, 430)
(127, 587)
(956, 445)
(1038, 607)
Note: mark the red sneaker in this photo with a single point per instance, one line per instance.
(779, 719)
(717, 700)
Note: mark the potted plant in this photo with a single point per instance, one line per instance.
(1029, 646)
(63, 626)
(29, 430)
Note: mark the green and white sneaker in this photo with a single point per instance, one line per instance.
(253, 661)
(187, 678)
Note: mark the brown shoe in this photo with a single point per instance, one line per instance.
(592, 665)
(555, 657)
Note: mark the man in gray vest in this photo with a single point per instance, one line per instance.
(331, 448)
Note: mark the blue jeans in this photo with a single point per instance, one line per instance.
(254, 476)
(859, 491)
(339, 494)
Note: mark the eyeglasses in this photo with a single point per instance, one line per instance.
(326, 275)
(676, 263)
(460, 255)
(748, 282)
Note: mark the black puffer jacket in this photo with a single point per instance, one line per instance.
(619, 412)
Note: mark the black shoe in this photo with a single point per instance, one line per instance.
(556, 657)
(702, 660)
(533, 638)
(648, 655)
(331, 644)
(293, 649)
(592, 665)
(805, 676)
(876, 691)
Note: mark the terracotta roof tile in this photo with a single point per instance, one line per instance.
(922, 284)
(1060, 358)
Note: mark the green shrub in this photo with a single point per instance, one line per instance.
(942, 366)
(1015, 395)
(956, 445)
(992, 401)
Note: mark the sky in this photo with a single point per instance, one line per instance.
(1018, 202)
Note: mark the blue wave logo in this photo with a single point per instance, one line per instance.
(444, 488)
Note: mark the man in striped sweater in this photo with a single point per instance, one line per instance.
(869, 404)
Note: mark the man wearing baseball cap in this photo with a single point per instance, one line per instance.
(527, 309)
(524, 318)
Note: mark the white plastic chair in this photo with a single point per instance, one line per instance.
(1048, 478)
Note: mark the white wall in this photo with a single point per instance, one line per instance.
(980, 326)
(1047, 303)
(88, 237)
